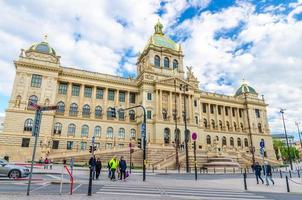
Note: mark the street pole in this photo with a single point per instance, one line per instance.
(130, 146)
(35, 132)
(176, 134)
(91, 167)
(252, 148)
(288, 150)
(299, 133)
(184, 88)
(195, 162)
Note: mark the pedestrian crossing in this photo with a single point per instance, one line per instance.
(125, 189)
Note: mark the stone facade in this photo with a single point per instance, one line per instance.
(85, 98)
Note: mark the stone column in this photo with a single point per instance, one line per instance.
(68, 100)
(156, 110)
(190, 111)
(105, 100)
(170, 108)
(160, 104)
(82, 87)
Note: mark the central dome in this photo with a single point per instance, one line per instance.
(245, 88)
(42, 47)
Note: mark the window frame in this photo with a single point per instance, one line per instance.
(36, 80)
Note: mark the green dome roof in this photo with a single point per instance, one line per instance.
(244, 88)
(42, 47)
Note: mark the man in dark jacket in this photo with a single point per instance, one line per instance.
(123, 167)
(92, 163)
(257, 169)
(267, 170)
(98, 168)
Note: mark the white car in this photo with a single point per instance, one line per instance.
(12, 171)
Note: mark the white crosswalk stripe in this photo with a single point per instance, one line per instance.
(177, 192)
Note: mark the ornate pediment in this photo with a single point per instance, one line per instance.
(173, 81)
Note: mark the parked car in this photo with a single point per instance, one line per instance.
(12, 171)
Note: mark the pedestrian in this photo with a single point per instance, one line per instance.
(257, 170)
(123, 167)
(109, 169)
(113, 166)
(92, 162)
(98, 168)
(267, 171)
(46, 161)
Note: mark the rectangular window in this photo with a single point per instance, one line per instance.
(226, 111)
(83, 145)
(69, 145)
(122, 96)
(99, 93)
(212, 109)
(132, 97)
(25, 142)
(120, 146)
(240, 113)
(88, 92)
(149, 96)
(111, 95)
(108, 145)
(75, 90)
(257, 112)
(55, 144)
(219, 110)
(195, 103)
(149, 114)
(36, 80)
(204, 107)
(234, 112)
(63, 88)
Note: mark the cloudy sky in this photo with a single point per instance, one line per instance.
(224, 41)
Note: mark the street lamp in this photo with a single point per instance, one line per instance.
(176, 133)
(288, 152)
(299, 133)
(184, 88)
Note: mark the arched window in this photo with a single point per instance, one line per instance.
(61, 107)
(84, 131)
(228, 125)
(121, 115)
(177, 136)
(121, 133)
(213, 124)
(166, 62)
(224, 141)
(132, 115)
(165, 114)
(133, 134)
(241, 126)
(175, 64)
(238, 142)
(98, 112)
(220, 124)
(232, 141)
(156, 61)
(97, 131)
(71, 129)
(205, 123)
(57, 128)
(167, 135)
(246, 143)
(259, 128)
(33, 99)
(235, 126)
(109, 132)
(73, 110)
(208, 139)
(28, 124)
(86, 110)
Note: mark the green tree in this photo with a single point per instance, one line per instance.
(279, 146)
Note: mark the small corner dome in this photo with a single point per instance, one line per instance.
(42, 47)
(245, 88)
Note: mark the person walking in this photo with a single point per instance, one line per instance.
(46, 162)
(123, 167)
(267, 170)
(257, 169)
(109, 169)
(98, 168)
(113, 166)
(92, 163)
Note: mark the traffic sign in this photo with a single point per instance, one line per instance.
(143, 130)
(262, 143)
(194, 136)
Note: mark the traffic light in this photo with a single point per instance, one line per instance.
(90, 149)
(139, 143)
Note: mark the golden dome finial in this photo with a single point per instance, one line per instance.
(45, 37)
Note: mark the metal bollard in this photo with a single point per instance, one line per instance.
(153, 169)
(298, 173)
(244, 181)
(234, 170)
(240, 170)
(224, 170)
(200, 170)
(290, 174)
(280, 173)
(178, 169)
(214, 170)
(287, 185)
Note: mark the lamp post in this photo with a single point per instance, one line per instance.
(184, 88)
(176, 133)
(299, 133)
(288, 152)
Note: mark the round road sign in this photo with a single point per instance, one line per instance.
(194, 136)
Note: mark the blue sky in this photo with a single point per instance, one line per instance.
(223, 40)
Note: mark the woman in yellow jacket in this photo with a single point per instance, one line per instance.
(113, 163)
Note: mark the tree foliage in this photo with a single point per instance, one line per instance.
(281, 148)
